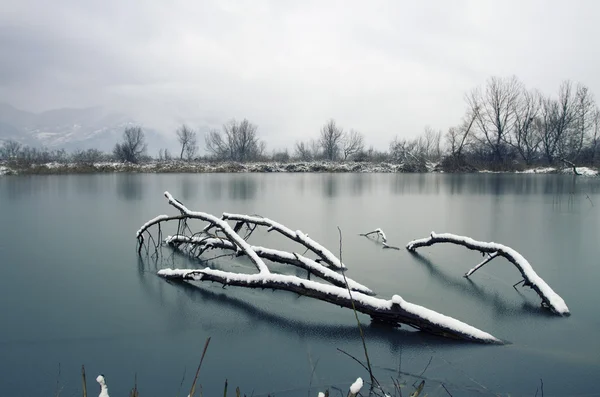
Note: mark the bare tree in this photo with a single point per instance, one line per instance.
(164, 155)
(330, 140)
(584, 110)
(459, 137)
(133, 147)
(494, 113)
(352, 143)
(239, 142)
(525, 136)
(187, 139)
(558, 115)
(595, 136)
(87, 157)
(430, 143)
(302, 151)
(10, 150)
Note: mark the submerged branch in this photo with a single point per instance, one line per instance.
(324, 254)
(289, 258)
(395, 311)
(550, 298)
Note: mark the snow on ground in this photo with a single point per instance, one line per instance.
(583, 171)
(264, 167)
(539, 170)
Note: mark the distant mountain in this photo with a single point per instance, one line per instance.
(71, 128)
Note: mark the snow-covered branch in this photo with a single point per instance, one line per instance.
(324, 254)
(290, 258)
(332, 287)
(395, 311)
(550, 298)
(380, 234)
(377, 232)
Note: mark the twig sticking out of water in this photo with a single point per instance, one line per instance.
(193, 389)
(84, 384)
(362, 335)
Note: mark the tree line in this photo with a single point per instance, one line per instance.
(505, 126)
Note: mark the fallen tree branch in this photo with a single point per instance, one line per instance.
(378, 232)
(394, 311)
(324, 254)
(289, 258)
(571, 164)
(550, 298)
(480, 265)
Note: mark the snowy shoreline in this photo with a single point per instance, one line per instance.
(263, 167)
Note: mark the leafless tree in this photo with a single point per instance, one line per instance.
(330, 140)
(87, 157)
(10, 150)
(133, 147)
(164, 155)
(494, 114)
(583, 119)
(353, 142)
(557, 119)
(187, 139)
(595, 136)
(303, 152)
(525, 136)
(239, 142)
(431, 144)
(459, 137)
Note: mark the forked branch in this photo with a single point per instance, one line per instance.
(550, 298)
(395, 311)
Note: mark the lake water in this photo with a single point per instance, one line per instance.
(74, 291)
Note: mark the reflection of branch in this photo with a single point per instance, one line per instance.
(549, 298)
(468, 288)
(393, 311)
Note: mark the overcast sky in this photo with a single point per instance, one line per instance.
(383, 68)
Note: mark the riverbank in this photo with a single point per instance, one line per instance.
(262, 167)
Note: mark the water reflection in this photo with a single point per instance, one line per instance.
(130, 186)
(215, 188)
(17, 187)
(415, 184)
(468, 287)
(330, 185)
(243, 187)
(500, 184)
(189, 187)
(361, 183)
(392, 338)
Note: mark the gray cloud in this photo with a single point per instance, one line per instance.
(384, 68)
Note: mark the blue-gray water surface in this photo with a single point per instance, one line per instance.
(74, 291)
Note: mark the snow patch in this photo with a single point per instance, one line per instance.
(356, 386)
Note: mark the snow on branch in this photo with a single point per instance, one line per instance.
(324, 254)
(224, 227)
(377, 232)
(330, 288)
(380, 234)
(395, 311)
(531, 279)
(290, 258)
